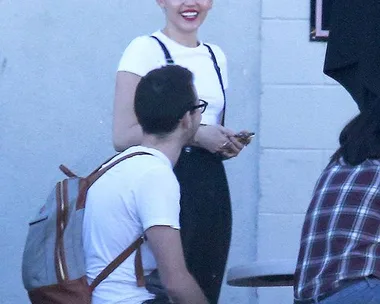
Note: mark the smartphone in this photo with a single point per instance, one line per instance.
(245, 137)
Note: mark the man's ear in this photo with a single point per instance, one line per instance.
(186, 121)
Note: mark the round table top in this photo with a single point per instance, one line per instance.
(263, 274)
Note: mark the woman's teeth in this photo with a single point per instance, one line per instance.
(189, 14)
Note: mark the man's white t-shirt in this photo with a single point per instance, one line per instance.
(144, 54)
(136, 194)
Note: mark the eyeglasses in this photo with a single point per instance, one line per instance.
(202, 106)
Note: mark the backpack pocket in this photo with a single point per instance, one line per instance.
(38, 220)
(35, 257)
(73, 292)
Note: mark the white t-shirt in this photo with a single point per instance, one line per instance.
(144, 54)
(136, 194)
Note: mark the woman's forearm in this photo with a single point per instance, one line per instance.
(132, 136)
(126, 130)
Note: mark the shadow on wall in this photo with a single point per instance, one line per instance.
(3, 63)
(3, 66)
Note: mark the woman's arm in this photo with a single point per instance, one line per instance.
(126, 130)
(211, 137)
(217, 139)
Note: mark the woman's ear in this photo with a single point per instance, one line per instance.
(161, 3)
(210, 4)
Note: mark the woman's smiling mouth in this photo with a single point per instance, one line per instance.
(190, 15)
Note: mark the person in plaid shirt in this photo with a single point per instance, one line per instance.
(339, 256)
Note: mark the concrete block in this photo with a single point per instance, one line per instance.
(287, 179)
(243, 181)
(278, 236)
(291, 9)
(238, 295)
(288, 57)
(275, 295)
(304, 117)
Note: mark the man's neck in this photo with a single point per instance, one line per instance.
(171, 148)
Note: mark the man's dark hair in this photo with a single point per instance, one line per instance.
(360, 138)
(162, 97)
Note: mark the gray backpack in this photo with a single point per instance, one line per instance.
(53, 266)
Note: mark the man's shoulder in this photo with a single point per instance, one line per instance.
(153, 171)
(146, 170)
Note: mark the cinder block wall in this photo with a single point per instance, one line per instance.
(301, 114)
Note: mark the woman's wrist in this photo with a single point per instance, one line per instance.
(195, 141)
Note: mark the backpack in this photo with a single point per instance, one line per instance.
(53, 264)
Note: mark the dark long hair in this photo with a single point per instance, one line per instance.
(360, 138)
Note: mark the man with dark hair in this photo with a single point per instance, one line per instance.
(141, 195)
(339, 258)
(172, 88)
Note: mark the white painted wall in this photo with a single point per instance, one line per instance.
(301, 115)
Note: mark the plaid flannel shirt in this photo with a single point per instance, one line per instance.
(341, 234)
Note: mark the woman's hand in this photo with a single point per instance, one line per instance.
(237, 142)
(218, 139)
(212, 138)
(232, 148)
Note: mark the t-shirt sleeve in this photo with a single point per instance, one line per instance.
(222, 63)
(141, 56)
(157, 199)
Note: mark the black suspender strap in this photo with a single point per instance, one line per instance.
(217, 69)
(168, 57)
(169, 60)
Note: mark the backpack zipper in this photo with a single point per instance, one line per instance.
(61, 227)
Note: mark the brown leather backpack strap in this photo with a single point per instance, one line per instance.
(139, 271)
(108, 160)
(98, 173)
(87, 182)
(134, 246)
(67, 171)
(116, 262)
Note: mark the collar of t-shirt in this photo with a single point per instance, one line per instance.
(152, 151)
(173, 44)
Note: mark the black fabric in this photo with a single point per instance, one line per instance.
(168, 57)
(217, 69)
(158, 301)
(353, 49)
(205, 217)
(153, 285)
